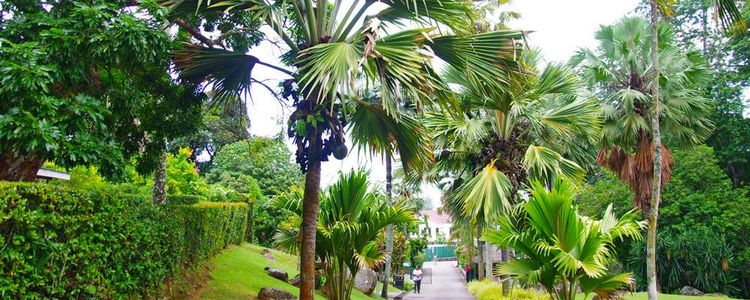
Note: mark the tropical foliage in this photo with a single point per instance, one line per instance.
(76, 77)
(701, 208)
(536, 127)
(556, 245)
(617, 73)
(352, 217)
(334, 49)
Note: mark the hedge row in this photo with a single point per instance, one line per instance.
(62, 243)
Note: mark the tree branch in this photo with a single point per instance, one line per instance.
(195, 33)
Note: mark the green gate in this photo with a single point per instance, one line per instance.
(439, 253)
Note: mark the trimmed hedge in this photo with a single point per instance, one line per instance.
(212, 226)
(184, 199)
(58, 242)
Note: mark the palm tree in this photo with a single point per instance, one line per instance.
(728, 16)
(385, 134)
(352, 216)
(535, 127)
(621, 74)
(560, 246)
(334, 48)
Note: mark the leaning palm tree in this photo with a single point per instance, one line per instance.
(352, 216)
(556, 246)
(537, 126)
(333, 48)
(381, 133)
(621, 74)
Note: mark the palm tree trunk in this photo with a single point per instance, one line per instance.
(653, 213)
(389, 229)
(488, 259)
(506, 280)
(480, 246)
(159, 190)
(310, 208)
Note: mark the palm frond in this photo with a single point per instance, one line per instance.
(329, 68)
(545, 164)
(374, 129)
(486, 195)
(228, 73)
(488, 58)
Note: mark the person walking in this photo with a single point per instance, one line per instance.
(417, 277)
(467, 273)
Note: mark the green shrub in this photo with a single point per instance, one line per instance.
(184, 199)
(489, 290)
(65, 243)
(408, 284)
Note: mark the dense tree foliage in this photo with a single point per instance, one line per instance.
(265, 163)
(86, 82)
(729, 57)
(700, 197)
(223, 123)
(268, 160)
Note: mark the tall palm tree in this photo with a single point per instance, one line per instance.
(381, 133)
(621, 73)
(352, 216)
(560, 246)
(728, 16)
(535, 127)
(334, 48)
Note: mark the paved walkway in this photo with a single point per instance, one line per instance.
(447, 283)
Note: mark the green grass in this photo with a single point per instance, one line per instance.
(237, 273)
(644, 296)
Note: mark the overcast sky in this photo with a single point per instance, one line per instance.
(559, 29)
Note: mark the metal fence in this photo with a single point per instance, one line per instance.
(439, 253)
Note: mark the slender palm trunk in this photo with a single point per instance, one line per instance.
(653, 213)
(389, 229)
(506, 279)
(310, 208)
(159, 190)
(488, 259)
(480, 246)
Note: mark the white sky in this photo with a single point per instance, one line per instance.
(559, 29)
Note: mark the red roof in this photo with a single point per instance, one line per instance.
(435, 217)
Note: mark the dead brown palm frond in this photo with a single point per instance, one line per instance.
(637, 169)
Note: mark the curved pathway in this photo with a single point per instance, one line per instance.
(447, 283)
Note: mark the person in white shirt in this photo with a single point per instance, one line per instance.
(416, 275)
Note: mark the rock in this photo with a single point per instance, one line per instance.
(690, 291)
(278, 274)
(366, 280)
(296, 280)
(268, 255)
(267, 293)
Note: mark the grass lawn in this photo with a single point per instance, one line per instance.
(237, 273)
(644, 296)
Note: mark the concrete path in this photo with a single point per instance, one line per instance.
(447, 283)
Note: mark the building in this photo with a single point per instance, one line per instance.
(437, 224)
